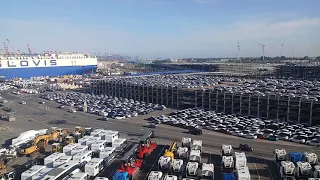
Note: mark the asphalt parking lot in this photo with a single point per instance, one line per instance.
(35, 116)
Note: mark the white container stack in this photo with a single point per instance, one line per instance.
(83, 140)
(107, 154)
(48, 161)
(111, 136)
(96, 132)
(92, 140)
(63, 159)
(94, 166)
(98, 145)
(42, 173)
(79, 176)
(84, 156)
(68, 148)
(79, 149)
(27, 175)
(118, 142)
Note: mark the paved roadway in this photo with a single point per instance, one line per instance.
(36, 116)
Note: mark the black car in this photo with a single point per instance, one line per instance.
(195, 131)
(245, 147)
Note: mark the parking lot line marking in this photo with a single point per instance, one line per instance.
(268, 169)
(257, 171)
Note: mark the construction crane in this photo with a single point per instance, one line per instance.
(171, 151)
(29, 50)
(14, 50)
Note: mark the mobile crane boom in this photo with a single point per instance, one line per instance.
(171, 151)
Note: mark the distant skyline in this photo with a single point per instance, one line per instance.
(164, 28)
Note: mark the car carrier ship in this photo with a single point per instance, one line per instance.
(47, 64)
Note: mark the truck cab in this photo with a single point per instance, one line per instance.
(279, 155)
(226, 150)
(186, 142)
(287, 170)
(227, 164)
(207, 172)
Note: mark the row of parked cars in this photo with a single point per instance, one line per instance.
(306, 90)
(105, 106)
(180, 81)
(241, 126)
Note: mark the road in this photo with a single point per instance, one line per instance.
(36, 116)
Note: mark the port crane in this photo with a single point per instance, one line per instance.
(29, 50)
(14, 49)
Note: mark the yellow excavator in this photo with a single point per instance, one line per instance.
(171, 151)
(38, 143)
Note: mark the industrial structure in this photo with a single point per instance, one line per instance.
(270, 107)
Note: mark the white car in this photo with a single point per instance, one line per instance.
(250, 136)
(298, 139)
(236, 133)
(284, 136)
(314, 142)
(120, 117)
(23, 102)
(212, 127)
(72, 110)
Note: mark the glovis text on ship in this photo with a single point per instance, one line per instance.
(28, 63)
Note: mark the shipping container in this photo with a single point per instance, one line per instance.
(108, 153)
(79, 176)
(84, 156)
(62, 171)
(94, 166)
(79, 149)
(42, 173)
(83, 140)
(48, 161)
(63, 159)
(27, 175)
(67, 149)
(118, 142)
(98, 145)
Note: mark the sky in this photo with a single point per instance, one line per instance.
(164, 28)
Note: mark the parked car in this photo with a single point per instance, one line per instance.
(245, 147)
(195, 131)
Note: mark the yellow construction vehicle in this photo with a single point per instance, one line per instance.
(68, 140)
(83, 131)
(38, 143)
(56, 147)
(171, 151)
(3, 166)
